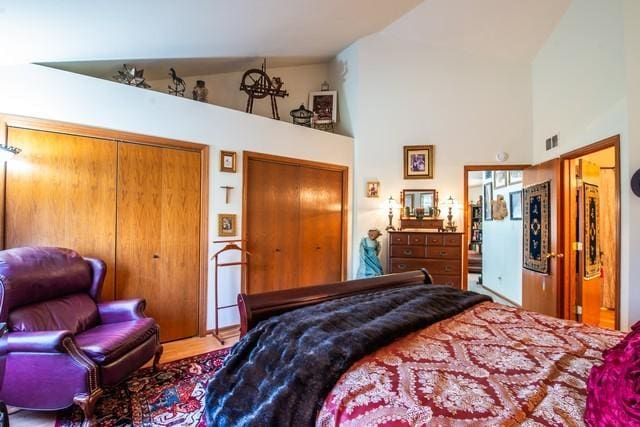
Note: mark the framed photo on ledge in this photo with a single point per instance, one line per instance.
(324, 105)
(418, 162)
(228, 161)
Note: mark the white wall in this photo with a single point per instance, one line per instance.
(470, 107)
(582, 90)
(343, 76)
(35, 91)
(224, 88)
(502, 251)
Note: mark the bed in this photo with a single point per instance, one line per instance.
(397, 350)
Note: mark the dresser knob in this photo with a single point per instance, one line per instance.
(408, 252)
(402, 266)
(443, 253)
(447, 268)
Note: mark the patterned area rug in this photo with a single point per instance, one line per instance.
(174, 396)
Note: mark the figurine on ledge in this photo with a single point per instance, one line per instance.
(369, 250)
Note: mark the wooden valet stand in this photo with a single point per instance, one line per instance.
(231, 245)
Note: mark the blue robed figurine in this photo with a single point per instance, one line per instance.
(369, 250)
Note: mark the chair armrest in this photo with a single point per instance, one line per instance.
(122, 311)
(38, 342)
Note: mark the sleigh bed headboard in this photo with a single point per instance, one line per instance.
(257, 307)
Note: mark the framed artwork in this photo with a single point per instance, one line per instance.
(591, 214)
(418, 162)
(515, 205)
(228, 161)
(227, 225)
(488, 174)
(535, 224)
(515, 177)
(324, 105)
(499, 179)
(488, 201)
(373, 189)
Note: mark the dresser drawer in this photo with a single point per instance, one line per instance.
(402, 265)
(417, 239)
(453, 281)
(408, 251)
(435, 239)
(442, 252)
(399, 239)
(452, 239)
(442, 267)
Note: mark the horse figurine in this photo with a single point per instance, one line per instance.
(179, 85)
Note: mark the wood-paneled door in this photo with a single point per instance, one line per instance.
(543, 292)
(158, 226)
(294, 222)
(61, 191)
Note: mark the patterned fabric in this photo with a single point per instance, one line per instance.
(491, 365)
(536, 235)
(591, 231)
(174, 396)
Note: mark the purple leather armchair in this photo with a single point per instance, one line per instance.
(63, 345)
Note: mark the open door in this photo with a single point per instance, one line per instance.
(541, 281)
(587, 254)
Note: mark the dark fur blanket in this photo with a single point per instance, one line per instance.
(281, 371)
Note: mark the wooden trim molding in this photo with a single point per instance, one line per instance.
(467, 169)
(7, 121)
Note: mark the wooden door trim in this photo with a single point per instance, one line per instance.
(7, 121)
(465, 236)
(610, 142)
(344, 170)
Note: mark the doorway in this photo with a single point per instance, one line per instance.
(493, 231)
(592, 233)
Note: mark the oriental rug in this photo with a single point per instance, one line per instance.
(173, 396)
(591, 231)
(536, 233)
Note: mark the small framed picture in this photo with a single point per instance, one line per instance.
(228, 161)
(500, 179)
(324, 105)
(418, 162)
(373, 189)
(515, 177)
(488, 174)
(227, 225)
(515, 205)
(488, 201)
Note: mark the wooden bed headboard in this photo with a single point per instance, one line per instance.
(257, 307)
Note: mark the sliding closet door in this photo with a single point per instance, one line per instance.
(321, 226)
(158, 228)
(271, 220)
(61, 191)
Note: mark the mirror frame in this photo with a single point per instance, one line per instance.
(420, 190)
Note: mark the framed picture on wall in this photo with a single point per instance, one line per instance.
(373, 189)
(500, 179)
(228, 161)
(418, 162)
(515, 177)
(515, 205)
(324, 105)
(487, 200)
(227, 225)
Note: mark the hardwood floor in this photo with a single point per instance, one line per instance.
(174, 350)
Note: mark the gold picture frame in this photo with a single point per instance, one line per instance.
(227, 225)
(228, 161)
(373, 189)
(418, 161)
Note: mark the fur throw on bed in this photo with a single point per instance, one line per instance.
(281, 371)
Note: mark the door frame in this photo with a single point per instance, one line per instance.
(7, 121)
(252, 155)
(569, 293)
(475, 168)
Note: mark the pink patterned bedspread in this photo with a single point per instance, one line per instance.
(491, 365)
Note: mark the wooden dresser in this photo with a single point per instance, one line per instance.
(439, 253)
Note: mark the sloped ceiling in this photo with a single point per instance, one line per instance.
(508, 29)
(43, 31)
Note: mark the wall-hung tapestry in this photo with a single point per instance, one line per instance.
(591, 231)
(537, 236)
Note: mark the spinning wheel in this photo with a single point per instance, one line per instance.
(257, 85)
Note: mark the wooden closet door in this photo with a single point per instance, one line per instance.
(271, 220)
(158, 234)
(61, 191)
(321, 228)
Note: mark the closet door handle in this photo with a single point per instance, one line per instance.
(277, 250)
(317, 248)
(156, 256)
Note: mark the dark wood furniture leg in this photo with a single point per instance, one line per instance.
(156, 358)
(88, 403)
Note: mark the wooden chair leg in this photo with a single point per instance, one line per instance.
(88, 403)
(156, 358)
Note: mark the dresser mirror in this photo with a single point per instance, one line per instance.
(420, 204)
